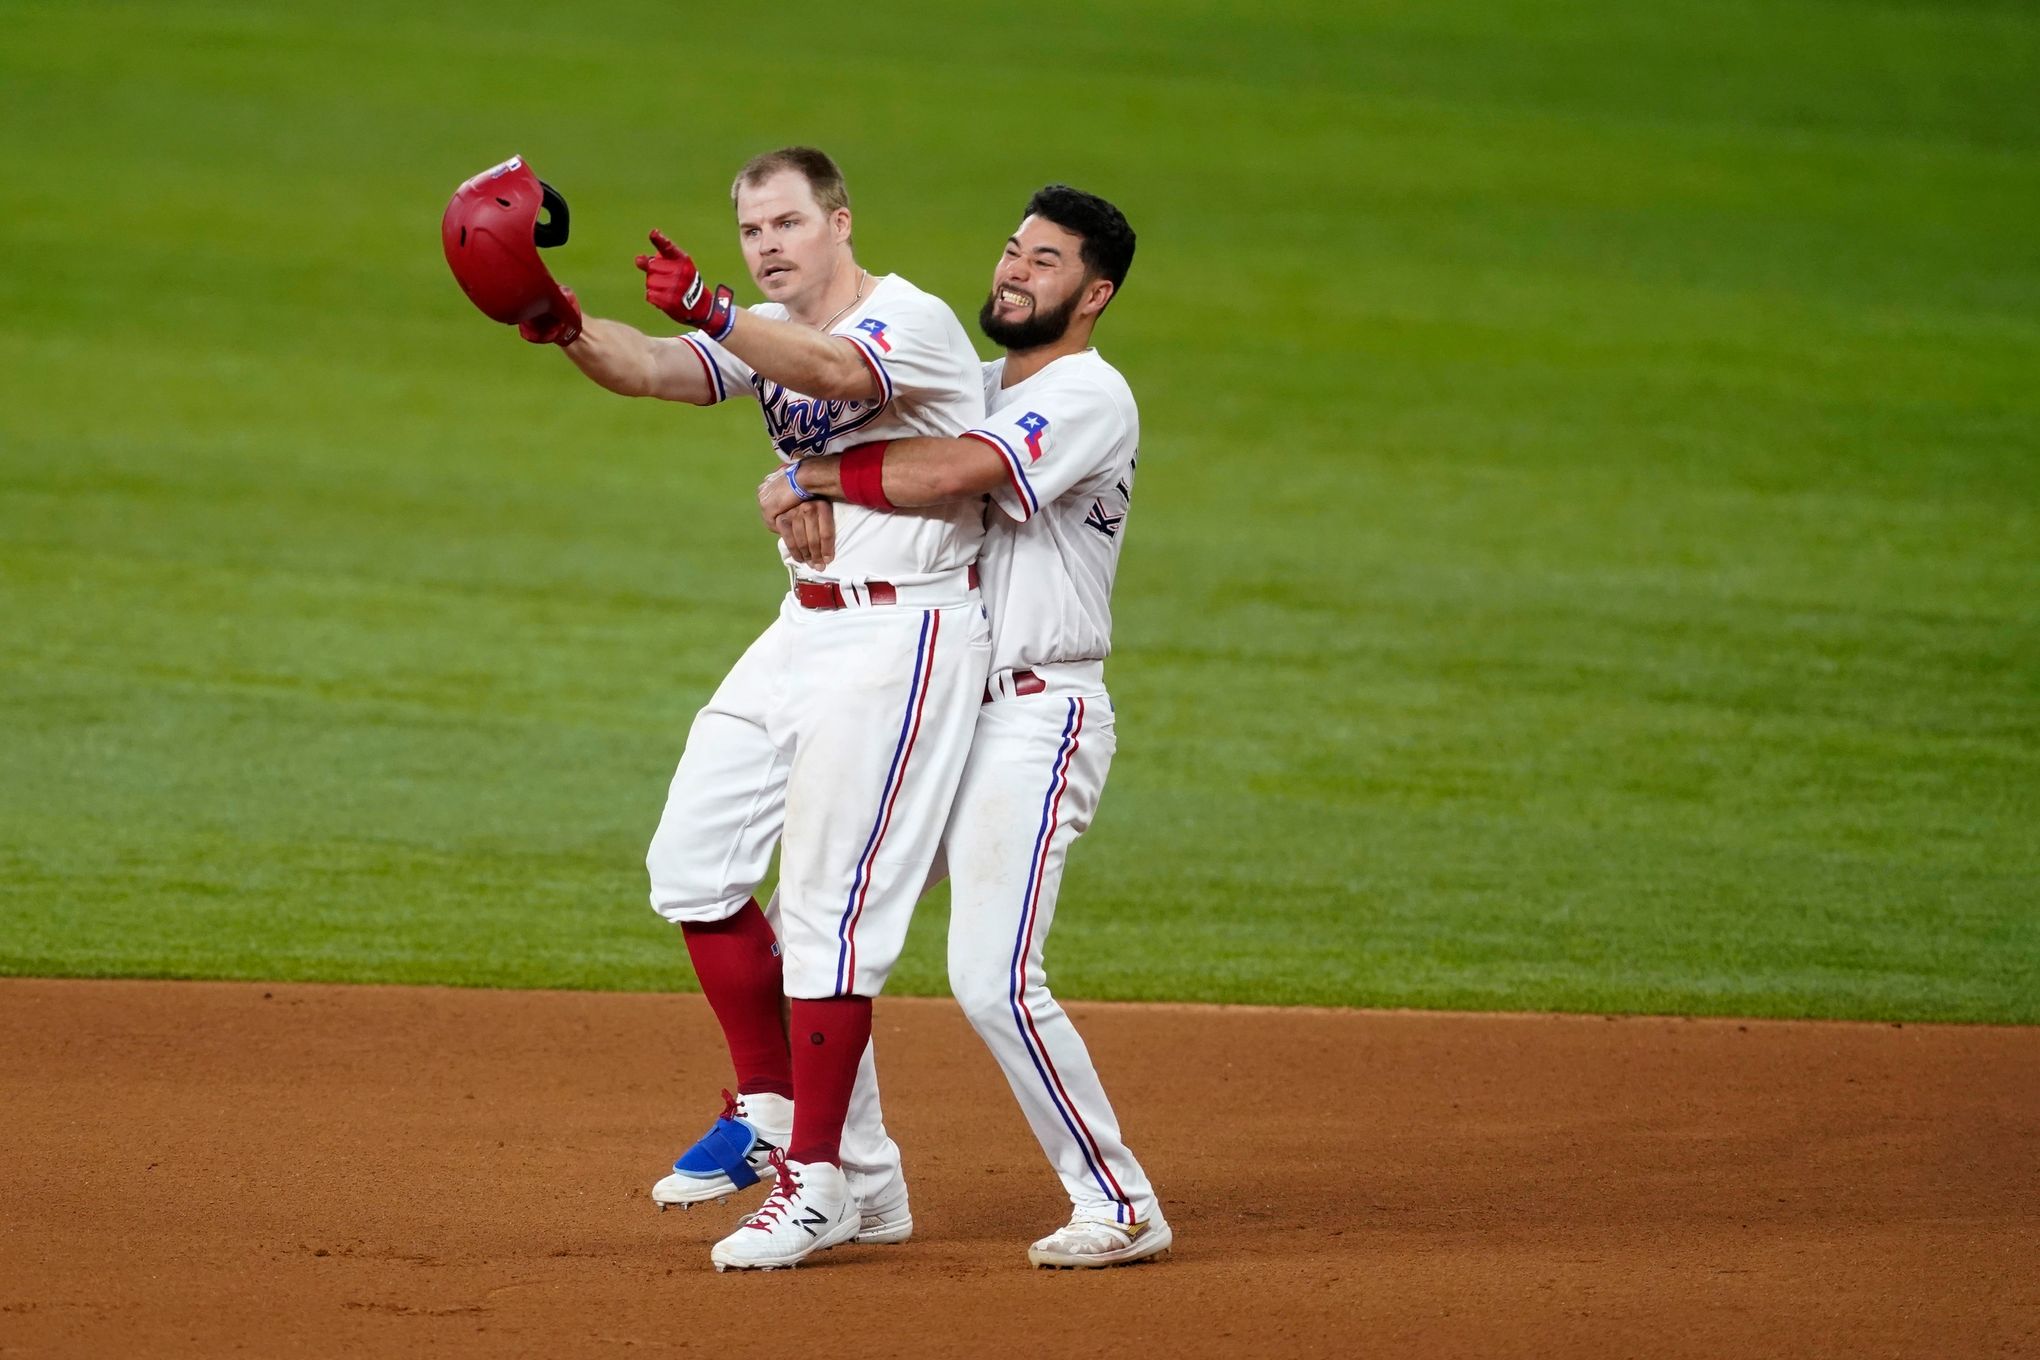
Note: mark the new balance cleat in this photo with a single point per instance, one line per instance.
(810, 1209)
(734, 1154)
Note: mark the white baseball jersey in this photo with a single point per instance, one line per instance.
(928, 385)
(1070, 436)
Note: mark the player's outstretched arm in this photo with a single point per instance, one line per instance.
(803, 360)
(796, 357)
(626, 361)
(900, 474)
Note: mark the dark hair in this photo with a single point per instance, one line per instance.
(1108, 241)
(821, 173)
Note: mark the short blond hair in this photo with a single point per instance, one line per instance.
(824, 176)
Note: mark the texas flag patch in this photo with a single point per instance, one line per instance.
(1035, 425)
(875, 328)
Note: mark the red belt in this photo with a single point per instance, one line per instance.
(829, 595)
(1024, 682)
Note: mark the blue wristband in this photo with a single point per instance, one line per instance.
(794, 482)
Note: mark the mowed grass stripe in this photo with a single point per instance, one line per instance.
(1582, 556)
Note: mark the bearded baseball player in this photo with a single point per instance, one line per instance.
(841, 733)
(1057, 457)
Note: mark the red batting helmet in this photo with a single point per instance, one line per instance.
(491, 233)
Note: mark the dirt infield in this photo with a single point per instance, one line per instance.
(203, 1169)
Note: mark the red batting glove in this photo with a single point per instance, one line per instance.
(560, 324)
(674, 286)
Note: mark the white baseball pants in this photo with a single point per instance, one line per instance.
(1031, 785)
(839, 736)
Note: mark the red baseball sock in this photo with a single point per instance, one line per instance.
(829, 1041)
(738, 963)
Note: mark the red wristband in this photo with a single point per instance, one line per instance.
(862, 473)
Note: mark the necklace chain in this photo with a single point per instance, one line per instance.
(863, 277)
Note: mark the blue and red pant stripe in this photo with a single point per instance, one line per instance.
(1023, 948)
(895, 780)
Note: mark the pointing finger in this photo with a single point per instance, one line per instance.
(667, 250)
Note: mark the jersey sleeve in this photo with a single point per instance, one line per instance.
(916, 349)
(1050, 441)
(728, 376)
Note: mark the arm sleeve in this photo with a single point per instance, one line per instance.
(728, 376)
(1050, 442)
(916, 349)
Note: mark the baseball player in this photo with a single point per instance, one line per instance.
(841, 733)
(1056, 456)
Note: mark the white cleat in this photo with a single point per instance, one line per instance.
(735, 1153)
(1084, 1243)
(810, 1209)
(883, 1213)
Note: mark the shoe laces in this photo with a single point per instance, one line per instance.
(780, 1202)
(1097, 1233)
(729, 1105)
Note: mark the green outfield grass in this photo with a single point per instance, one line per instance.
(1584, 558)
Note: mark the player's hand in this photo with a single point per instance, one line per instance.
(775, 497)
(559, 324)
(674, 286)
(809, 531)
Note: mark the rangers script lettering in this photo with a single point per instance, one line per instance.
(801, 425)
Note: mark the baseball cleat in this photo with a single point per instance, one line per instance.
(810, 1209)
(881, 1203)
(884, 1219)
(735, 1153)
(1084, 1243)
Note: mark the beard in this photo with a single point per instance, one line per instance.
(1036, 329)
